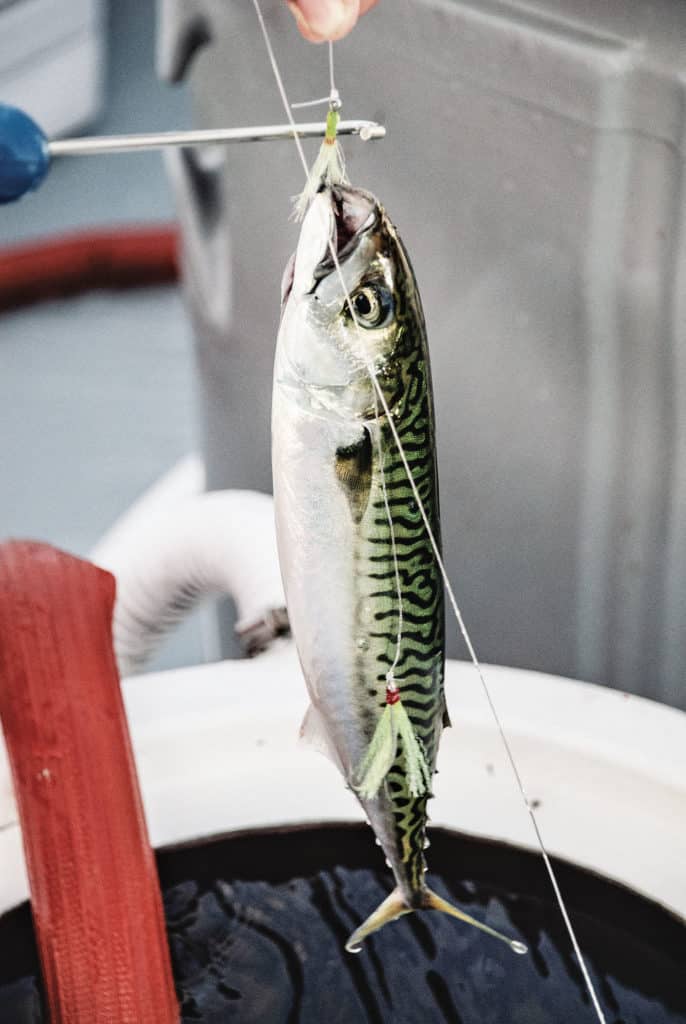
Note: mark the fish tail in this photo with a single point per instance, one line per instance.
(395, 905)
(432, 901)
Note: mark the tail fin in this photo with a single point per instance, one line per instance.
(395, 905)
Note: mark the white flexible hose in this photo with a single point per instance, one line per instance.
(176, 547)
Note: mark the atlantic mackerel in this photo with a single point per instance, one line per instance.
(363, 588)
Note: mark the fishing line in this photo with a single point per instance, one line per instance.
(335, 101)
(479, 670)
(333, 91)
(311, 103)
(380, 397)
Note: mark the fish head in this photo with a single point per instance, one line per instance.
(340, 318)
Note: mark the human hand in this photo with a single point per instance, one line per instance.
(319, 20)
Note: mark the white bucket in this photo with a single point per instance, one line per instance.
(217, 750)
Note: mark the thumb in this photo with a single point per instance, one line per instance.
(319, 20)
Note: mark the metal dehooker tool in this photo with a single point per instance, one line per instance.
(26, 153)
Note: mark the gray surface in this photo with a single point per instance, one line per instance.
(80, 192)
(91, 414)
(534, 167)
(97, 393)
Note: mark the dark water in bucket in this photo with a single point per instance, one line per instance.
(257, 924)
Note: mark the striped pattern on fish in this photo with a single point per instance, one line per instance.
(419, 668)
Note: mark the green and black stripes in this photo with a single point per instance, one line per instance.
(419, 662)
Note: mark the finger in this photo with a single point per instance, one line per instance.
(366, 5)
(305, 29)
(325, 19)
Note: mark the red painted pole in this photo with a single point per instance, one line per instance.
(94, 889)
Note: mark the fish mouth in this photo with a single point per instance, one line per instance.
(335, 222)
(354, 212)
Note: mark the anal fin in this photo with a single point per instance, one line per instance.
(313, 732)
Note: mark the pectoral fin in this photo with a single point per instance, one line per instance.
(354, 473)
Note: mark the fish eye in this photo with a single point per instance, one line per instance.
(373, 305)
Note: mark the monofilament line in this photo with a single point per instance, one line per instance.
(333, 91)
(439, 559)
(303, 159)
(477, 665)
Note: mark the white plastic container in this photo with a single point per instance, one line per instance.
(217, 750)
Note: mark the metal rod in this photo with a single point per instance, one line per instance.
(207, 137)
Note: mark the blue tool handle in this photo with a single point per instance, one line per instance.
(24, 154)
